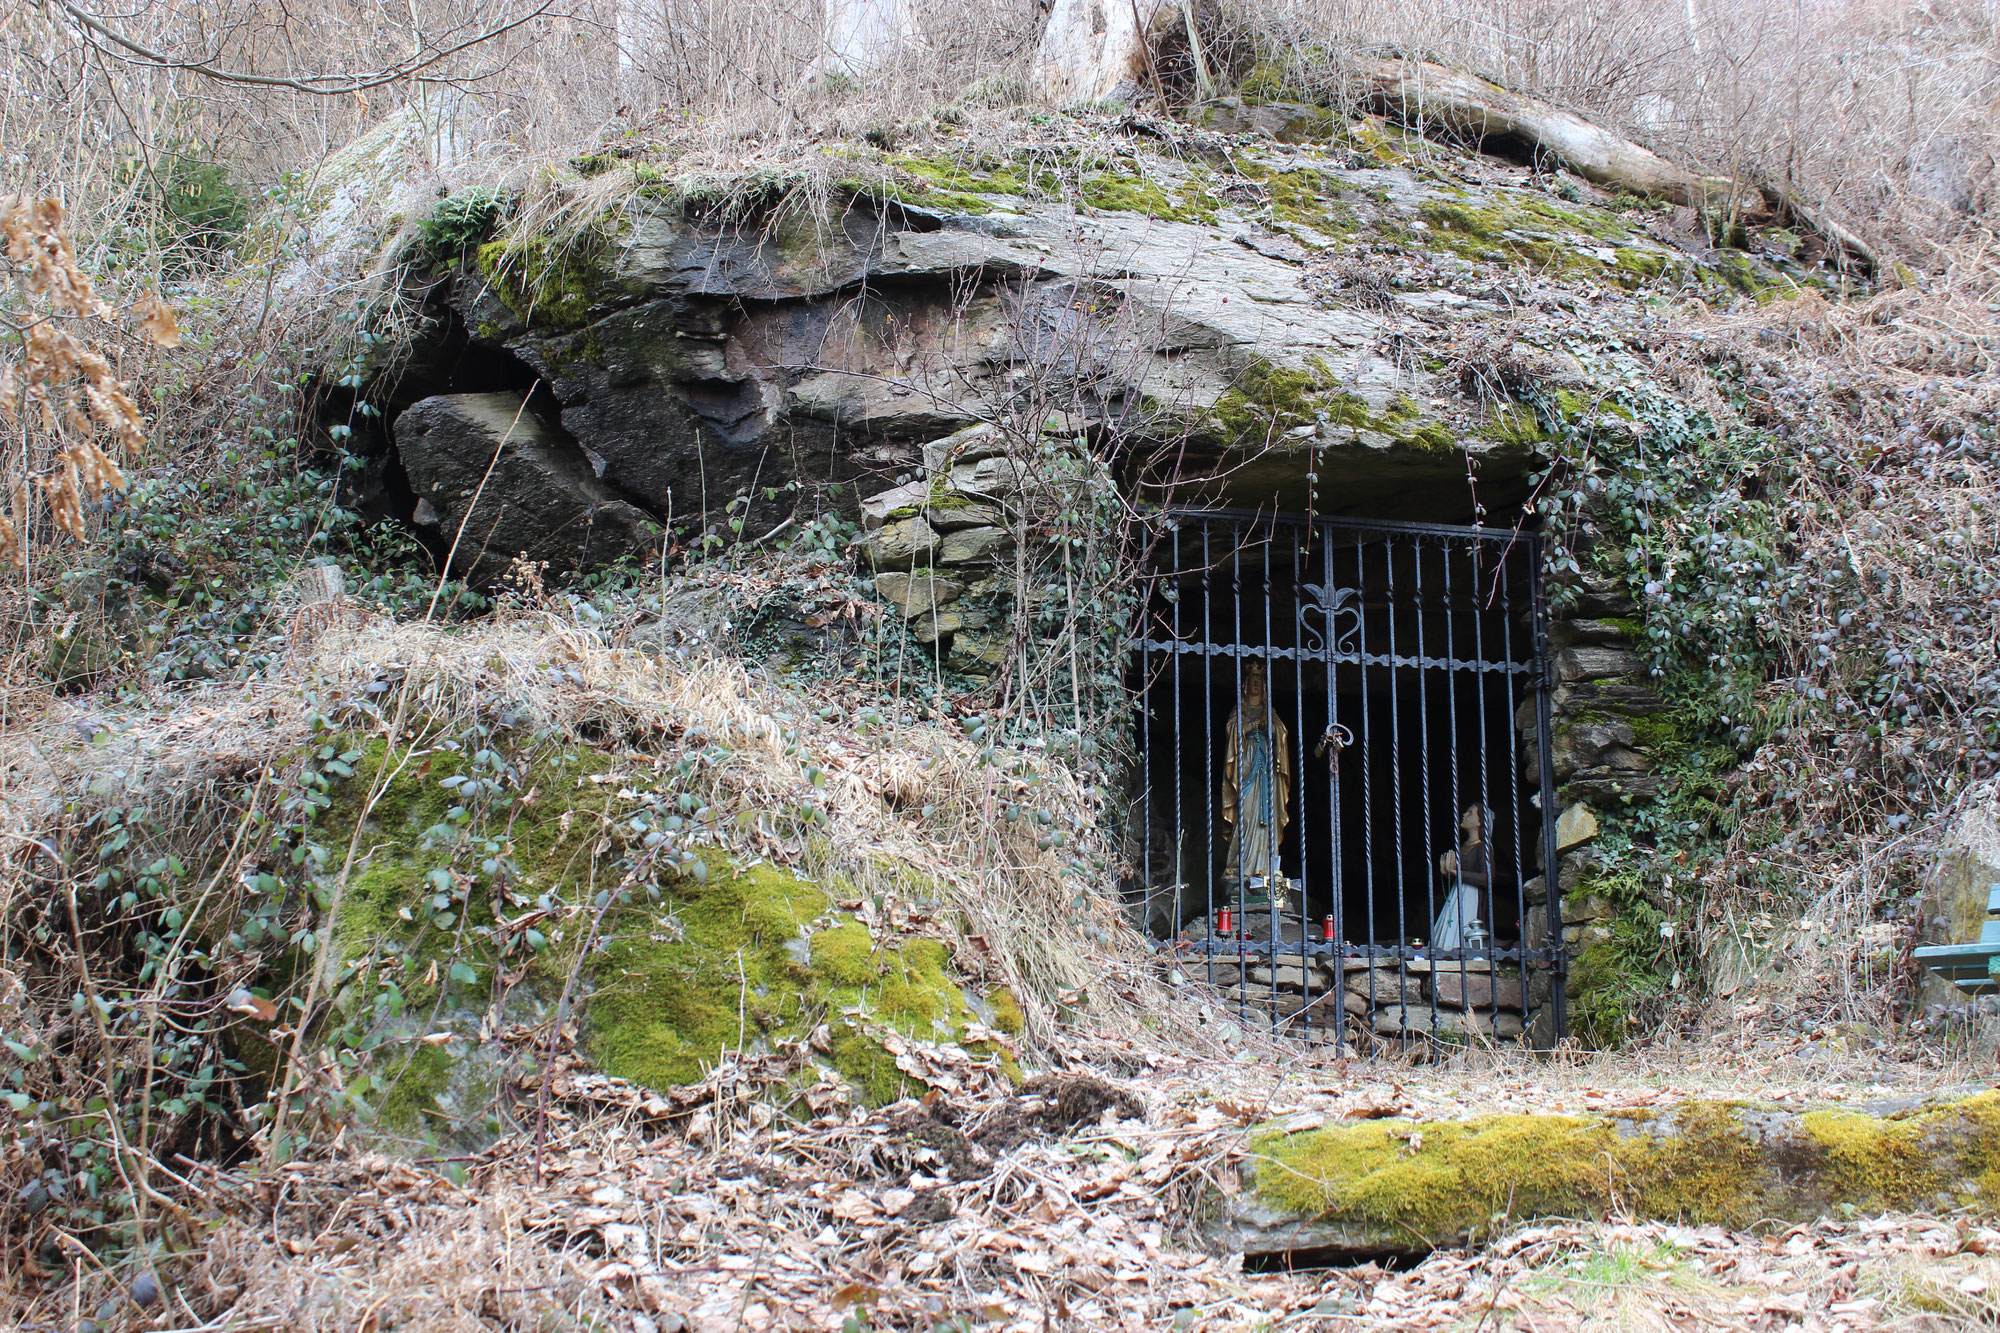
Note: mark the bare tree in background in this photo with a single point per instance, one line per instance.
(863, 36)
(218, 54)
(1091, 49)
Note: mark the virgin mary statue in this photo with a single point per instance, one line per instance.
(1256, 782)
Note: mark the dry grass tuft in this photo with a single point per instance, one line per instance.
(906, 800)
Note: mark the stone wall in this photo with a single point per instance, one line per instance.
(942, 544)
(953, 544)
(1600, 701)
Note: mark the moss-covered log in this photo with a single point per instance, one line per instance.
(1387, 1185)
(1433, 98)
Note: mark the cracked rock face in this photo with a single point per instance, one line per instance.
(704, 364)
(496, 484)
(1293, 322)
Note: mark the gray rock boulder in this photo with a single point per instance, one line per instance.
(542, 499)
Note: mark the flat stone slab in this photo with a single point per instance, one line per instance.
(1477, 990)
(1393, 1185)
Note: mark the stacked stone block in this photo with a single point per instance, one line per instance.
(1471, 999)
(942, 545)
(1600, 696)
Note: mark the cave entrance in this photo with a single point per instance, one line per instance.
(1390, 708)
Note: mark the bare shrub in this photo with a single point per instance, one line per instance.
(57, 389)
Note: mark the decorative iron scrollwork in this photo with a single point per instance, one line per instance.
(1331, 605)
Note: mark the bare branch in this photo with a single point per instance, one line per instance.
(320, 85)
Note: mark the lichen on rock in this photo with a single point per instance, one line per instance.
(1393, 1184)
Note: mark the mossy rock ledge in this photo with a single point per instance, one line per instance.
(1385, 1186)
(1286, 318)
(735, 956)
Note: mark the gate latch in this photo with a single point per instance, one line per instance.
(1337, 738)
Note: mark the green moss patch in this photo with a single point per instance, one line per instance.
(1515, 423)
(1270, 401)
(706, 972)
(1515, 228)
(1007, 1015)
(1871, 1158)
(730, 958)
(951, 184)
(1707, 1162)
(978, 185)
(745, 959)
(550, 283)
(410, 831)
(412, 1086)
(1304, 197)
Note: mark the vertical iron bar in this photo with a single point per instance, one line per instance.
(1149, 617)
(1396, 781)
(1367, 773)
(1336, 881)
(1514, 702)
(1276, 932)
(1479, 702)
(1451, 690)
(1307, 970)
(1235, 754)
(1208, 771)
(1180, 755)
(1551, 871)
(1455, 882)
(1426, 823)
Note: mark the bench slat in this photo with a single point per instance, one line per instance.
(1963, 976)
(1956, 952)
(1970, 967)
(1993, 901)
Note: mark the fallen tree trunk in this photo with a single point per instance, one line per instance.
(1433, 98)
(1383, 1186)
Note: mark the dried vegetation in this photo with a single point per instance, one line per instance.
(765, 1196)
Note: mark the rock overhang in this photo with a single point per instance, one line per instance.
(1288, 317)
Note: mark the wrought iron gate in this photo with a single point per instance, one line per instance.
(1346, 804)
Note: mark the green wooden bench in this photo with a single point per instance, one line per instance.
(1973, 968)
